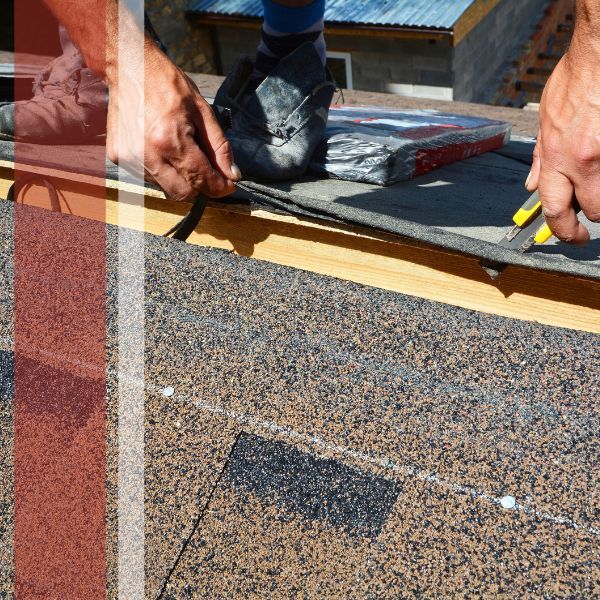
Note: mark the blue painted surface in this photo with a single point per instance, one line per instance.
(441, 14)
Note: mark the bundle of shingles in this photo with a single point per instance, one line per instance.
(381, 146)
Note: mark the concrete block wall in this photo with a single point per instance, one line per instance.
(189, 45)
(379, 64)
(485, 55)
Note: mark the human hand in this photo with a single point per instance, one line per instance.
(167, 131)
(567, 155)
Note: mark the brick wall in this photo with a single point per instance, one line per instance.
(190, 46)
(483, 57)
(525, 80)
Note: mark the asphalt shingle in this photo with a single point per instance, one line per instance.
(380, 434)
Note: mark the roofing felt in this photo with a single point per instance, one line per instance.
(322, 436)
(441, 14)
(467, 206)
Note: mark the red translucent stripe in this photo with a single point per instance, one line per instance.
(60, 359)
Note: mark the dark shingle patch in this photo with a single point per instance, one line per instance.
(316, 488)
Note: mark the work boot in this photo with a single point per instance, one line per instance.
(68, 104)
(274, 129)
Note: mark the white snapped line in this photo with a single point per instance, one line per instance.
(358, 456)
(384, 463)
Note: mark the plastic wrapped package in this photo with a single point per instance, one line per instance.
(379, 146)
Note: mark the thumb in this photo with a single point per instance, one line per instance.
(215, 144)
(557, 196)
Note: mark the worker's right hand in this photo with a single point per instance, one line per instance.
(166, 131)
(566, 162)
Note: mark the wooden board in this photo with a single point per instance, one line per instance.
(350, 253)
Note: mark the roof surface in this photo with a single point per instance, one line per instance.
(441, 14)
(322, 436)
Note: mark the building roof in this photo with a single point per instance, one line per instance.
(438, 14)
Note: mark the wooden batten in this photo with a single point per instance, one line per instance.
(357, 30)
(350, 253)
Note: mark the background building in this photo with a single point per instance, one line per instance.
(446, 49)
(496, 51)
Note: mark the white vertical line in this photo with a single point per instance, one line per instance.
(131, 271)
(349, 81)
(347, 58)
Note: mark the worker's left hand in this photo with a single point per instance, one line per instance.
(567, 155)
(162, 129)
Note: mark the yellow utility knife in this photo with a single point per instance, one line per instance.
(530, 226)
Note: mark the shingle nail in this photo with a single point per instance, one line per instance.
(168, 391)
(508, 502)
